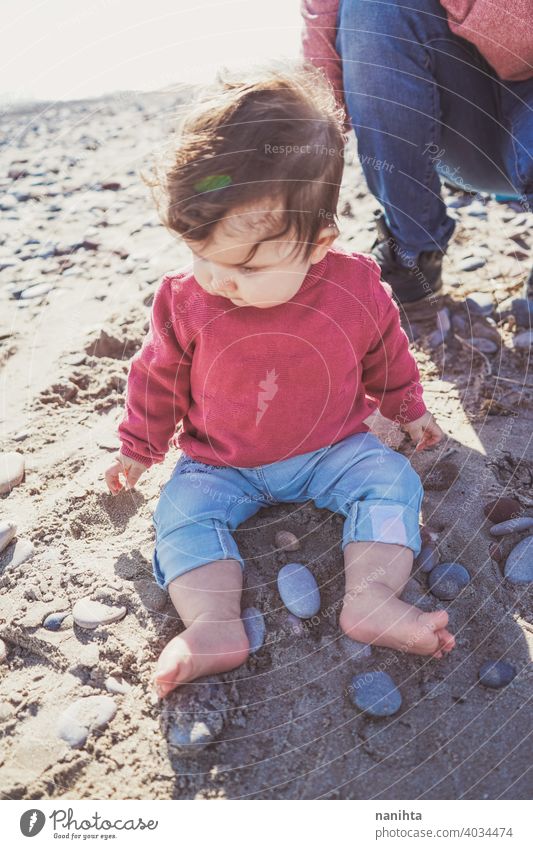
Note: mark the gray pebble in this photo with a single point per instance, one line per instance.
(193, 716)
(54, 621)
(375, 693)
(522, 309)
(523, 340)
(447, 580)
(11, 470)
(7, 531)
(436, 338)
(3, 651)
(113, 685)
(519, 564)
(254, 625)
(496, 673)
(486, 346)
(479, 303)
(428, 557)
(298, 590)
(37, 291)
(472, 263)
(521, 523)
(16, 554)
(83, 716)
(89, 614)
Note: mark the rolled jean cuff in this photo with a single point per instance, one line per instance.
(381, 521)
(183, 549)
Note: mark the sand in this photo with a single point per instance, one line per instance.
(290, 730)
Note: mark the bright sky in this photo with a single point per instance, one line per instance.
(68, 49)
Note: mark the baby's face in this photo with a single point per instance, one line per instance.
(272, 277)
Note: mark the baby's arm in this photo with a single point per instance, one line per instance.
(390, 373)
(157, 394)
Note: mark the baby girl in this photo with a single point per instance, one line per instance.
(271, 350)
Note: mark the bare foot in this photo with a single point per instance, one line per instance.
(378, 616)
(204, 647)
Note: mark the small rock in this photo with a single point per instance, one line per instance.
(113, 685)
(522, 309)
(193, 716)
(486, 346)
(287, 541)
(110, 186)
(83, 716)
(477, 209)
(441, 476)
(496, 673)
(435, 339)
(428, 557)
(89, 614)
(54, 621)
(502, 509)
(519, 565)
(11, 470)
(16, 554)
(460, 325)
(375, 693)
(521, 523)
(523, 340)
(3, 651)
(447, 580)
(298, 590)
(472, 263)
(7, 532)
(254, 625)
(485, 331)
(479, 303)
(37, 291)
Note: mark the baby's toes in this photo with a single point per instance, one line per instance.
(446, 640)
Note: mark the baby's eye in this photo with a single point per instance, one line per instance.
(247, 269)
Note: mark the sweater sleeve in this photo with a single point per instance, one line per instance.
(318, 42)
(158, 387)
(390, 373)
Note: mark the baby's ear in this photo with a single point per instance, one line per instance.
(323, 241)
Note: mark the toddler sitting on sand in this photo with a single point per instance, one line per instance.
(271, 352)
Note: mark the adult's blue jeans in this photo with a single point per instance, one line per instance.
(425, 104)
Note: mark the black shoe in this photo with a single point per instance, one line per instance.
(408, 284)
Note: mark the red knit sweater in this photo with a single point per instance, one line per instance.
(253, 386)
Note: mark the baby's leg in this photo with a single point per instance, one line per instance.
(376, 574)
(208, 600)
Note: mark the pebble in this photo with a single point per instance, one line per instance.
(436, 338)
(37, 291)
(428, 557)
(7, 532)
(495, 552)
(502, 509)
(441, 476)
(523, 340)
(298, 590)
(519, 565)
(113, 685)
(11, 470)
(54, 620)
(21, 551)
(254, 625)
(193, 718)
(3, 651)
(287, 541)
(522, 309)
(479, 303)
(521, 523)
(460, 325)
(375, 693)
(89, 614)
(486, 346)
(472, 263)
(447, 580)
(83, 716)
(496, 673)
(477, 209)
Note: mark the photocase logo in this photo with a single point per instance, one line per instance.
(32, 822)
(268, 389)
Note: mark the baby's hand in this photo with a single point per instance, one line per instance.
(131, 469)
(424, 431)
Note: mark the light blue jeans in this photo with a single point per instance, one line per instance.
(374, 487)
